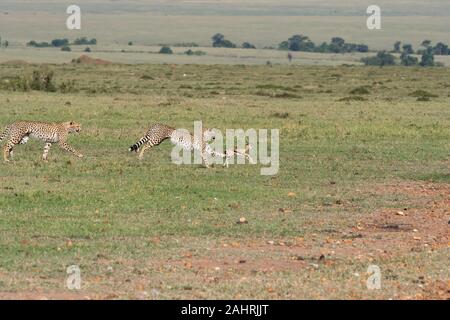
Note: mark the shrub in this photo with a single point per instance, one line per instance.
(422, 93)
(353, 98)
(219, 41)
(381, 59)
(84, 40)
(408, 60)
(427, 58)
(59, 42)
(87, 49)
(195, 53)
(360, 90)
(165, 50)
(248, 45)
(42, 80)
(66, 48)
(33, 43)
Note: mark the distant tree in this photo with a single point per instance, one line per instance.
(165, 50)
(6, 43)
(84, 41)
(248, 45)
(362, 48)
(194, 53)
(441, 49)
(297, 42)
(427, 58)
(407, 48)
(323, 47)
(59, 42)
(283, 45)
(397, 45)
(130, 43)
(219, 41)
(408, 60)
(426, 43)
(338, 41)
(33, 43)
(66, 48)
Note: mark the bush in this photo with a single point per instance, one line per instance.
(33, 43)
(381, 59)
(195, 53)
(422, 93)
(84, 40)
(130, 43)
(353, 98)
(42, 80)
(59, 42)
(219, 41)
(427, 58)
(87, 49)
(360, 90)
(248, 45)
(66, 48)
(165, 50)
(408, 60)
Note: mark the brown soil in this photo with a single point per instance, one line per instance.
(84, 59)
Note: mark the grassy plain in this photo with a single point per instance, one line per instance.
(349, 164)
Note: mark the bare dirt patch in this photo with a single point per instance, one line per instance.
(386, 233)
(84, 59)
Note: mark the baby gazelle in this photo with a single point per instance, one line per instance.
(230, 153)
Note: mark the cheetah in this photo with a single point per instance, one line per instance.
(19, 132)
(157, 133)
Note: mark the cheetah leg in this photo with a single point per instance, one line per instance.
(6, 153)
(144, 148)
(66, 147)
(46, 150)
(8, 149)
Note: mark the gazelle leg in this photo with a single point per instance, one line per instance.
(144, 148)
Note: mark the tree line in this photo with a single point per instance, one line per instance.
(406, 52)
(61, 43)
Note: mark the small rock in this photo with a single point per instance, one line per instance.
(242, 221)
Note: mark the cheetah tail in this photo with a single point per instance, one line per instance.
(5, 133)
(135, 147)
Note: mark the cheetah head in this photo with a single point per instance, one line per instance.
(72, 126)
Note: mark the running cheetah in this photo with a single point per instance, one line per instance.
(19, 133)
(160, 132)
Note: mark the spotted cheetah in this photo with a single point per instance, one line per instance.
(157, 133)
(19, 132)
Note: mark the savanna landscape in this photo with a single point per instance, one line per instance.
(364, 174)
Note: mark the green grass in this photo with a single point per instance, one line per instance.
(141, 217)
